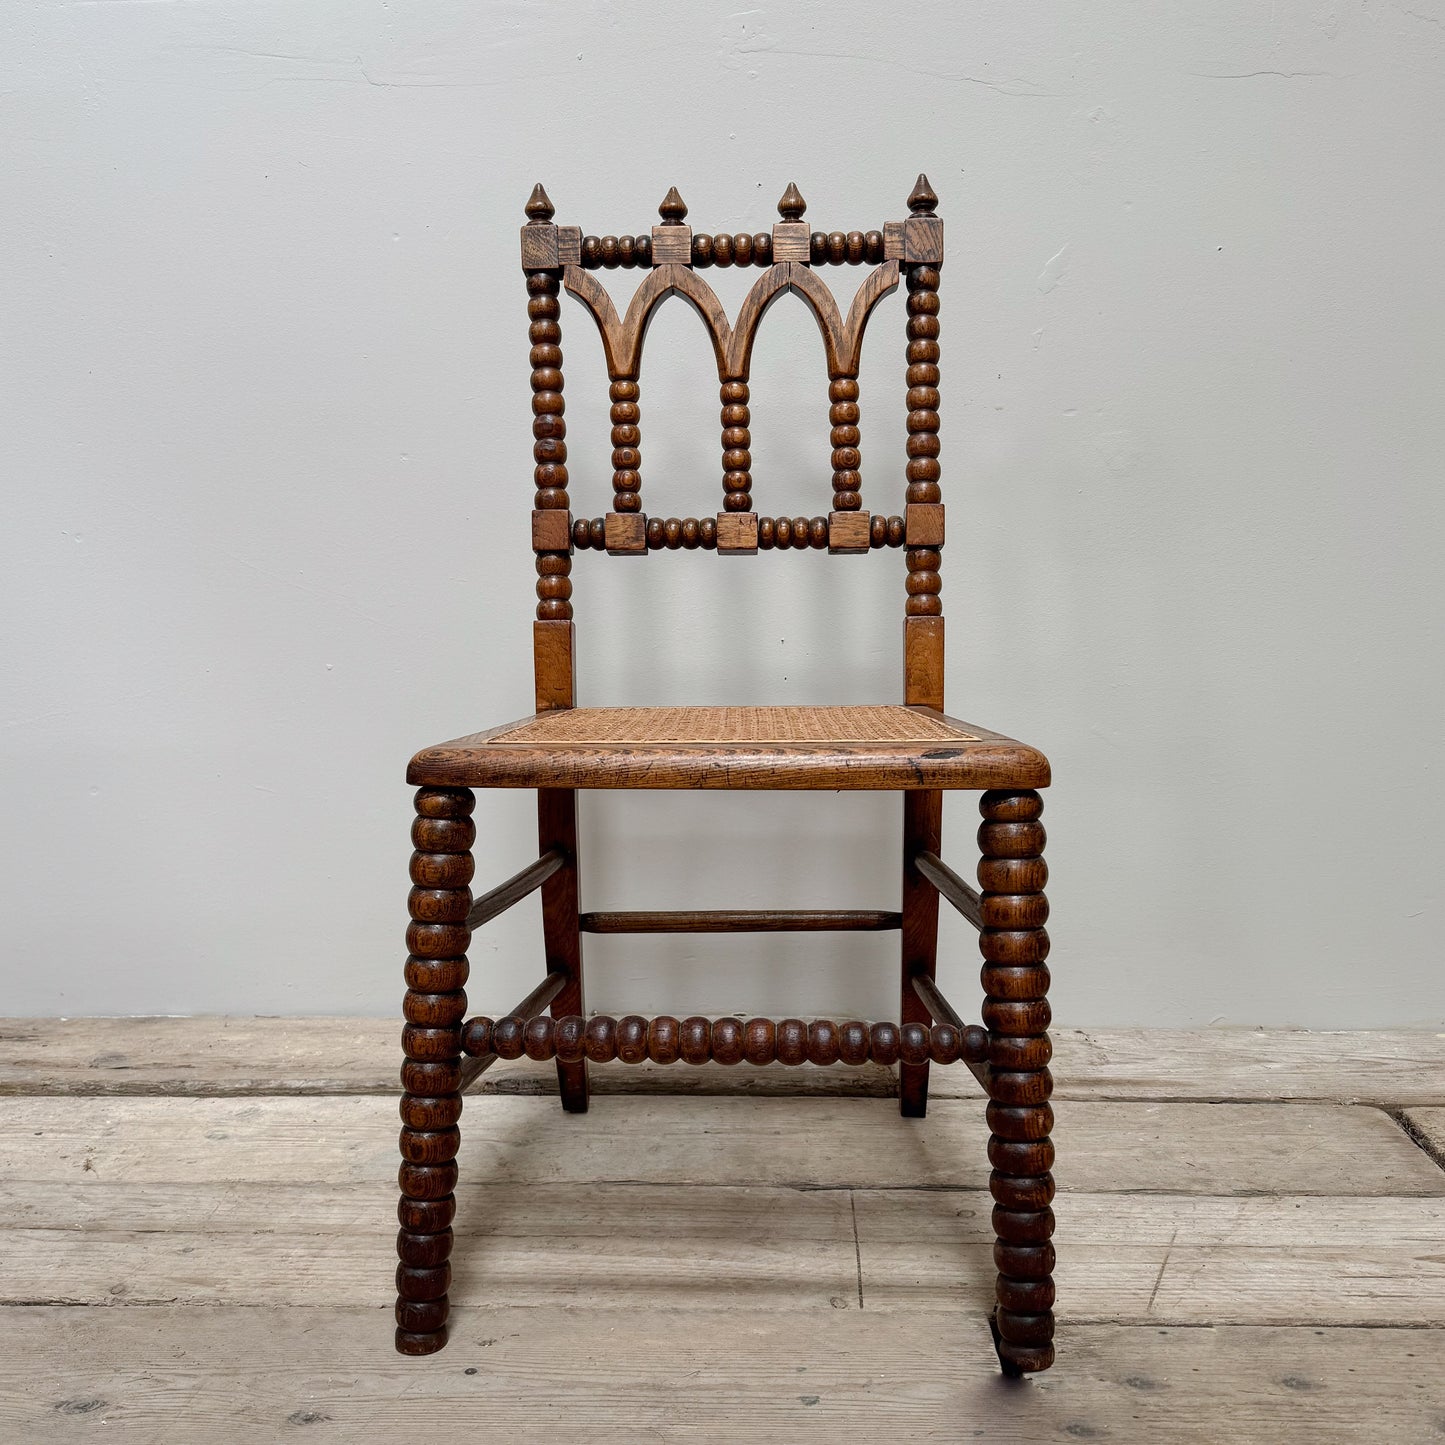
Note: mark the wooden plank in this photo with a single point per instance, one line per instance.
(235, 1055)
(603, 1247)
(222, 1374)
(829, 1143)
(1128, 1259)
(1427, 1127)
(1134, 1258)
(1391, 1068)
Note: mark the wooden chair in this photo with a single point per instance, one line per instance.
(911, 747)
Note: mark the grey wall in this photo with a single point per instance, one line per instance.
(262, 331)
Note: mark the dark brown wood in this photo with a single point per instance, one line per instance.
(1011, 875)
(849, 533)
(542, 262)
(745, 532)
(435, 1002)
(561, 937)
(923, 662)
(992, 761)
(843, 416)
(625, 534)
(517, 887)
(626, 441)
(477, 1033)
(938, 1006)
(885, 531)
(737, 460)
(951, 886)
(672, 241)
(922, 833)
(737, 532)
(924, 524)
(561, 749)
(636, 1039)
(554, 653)
(972, 1040)
(923, 472)
(810, 920)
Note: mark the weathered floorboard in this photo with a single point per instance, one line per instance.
(1428, 1125)
(1130, 1259)
(136, 1376)
(231, 1055)
(1319, 1149)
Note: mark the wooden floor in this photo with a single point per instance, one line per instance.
(200, 1217)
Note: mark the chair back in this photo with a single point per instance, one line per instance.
(790, 256)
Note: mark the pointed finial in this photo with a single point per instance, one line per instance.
(792, 205)
(921, 200)
(672, 209)
(539, 205)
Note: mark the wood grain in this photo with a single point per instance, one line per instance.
(991, 761)
(1300, 1149)
(1136, 1259)
(236, 1056)
(326, 1373)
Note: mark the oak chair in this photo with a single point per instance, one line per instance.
(912, 747)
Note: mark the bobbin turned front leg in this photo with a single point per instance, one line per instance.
(1011, 876)
(436, 973)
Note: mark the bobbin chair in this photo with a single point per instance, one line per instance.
(912, 747)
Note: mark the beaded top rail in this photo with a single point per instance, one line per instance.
(732, 727)
(556, 256)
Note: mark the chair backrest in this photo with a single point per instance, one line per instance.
(555, 257)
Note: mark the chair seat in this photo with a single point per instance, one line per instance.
(859, 747)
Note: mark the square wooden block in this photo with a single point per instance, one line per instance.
(539, 247)
(848, 532)
(553, 661)
(737, 532)
(625, 533)
(552, 531)
(923, 661)
(569, 245)
(790, 241)
(923, 239)
(893, 240)
(923, 524)
(672, 245)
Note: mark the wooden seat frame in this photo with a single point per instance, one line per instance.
(1009, 1054)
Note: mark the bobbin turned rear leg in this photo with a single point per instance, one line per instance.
(436, 973)
(1011, 876)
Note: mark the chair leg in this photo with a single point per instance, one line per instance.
(431, 1104)
(562, 936)
(1011, 876)
(922, 831)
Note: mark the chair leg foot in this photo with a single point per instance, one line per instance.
(574, 1091)
(1016, 1361)
(431, 1075)
(409, 1343)
(1011, 876)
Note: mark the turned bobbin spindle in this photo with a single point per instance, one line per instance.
(1014, 944)
(431, 1104)
(626, 440)
(549, 425)
(737, 459)
(923, 253)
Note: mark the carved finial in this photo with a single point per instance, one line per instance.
(921, 200)
(539, 206)
(792, 206)
(672, 209)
